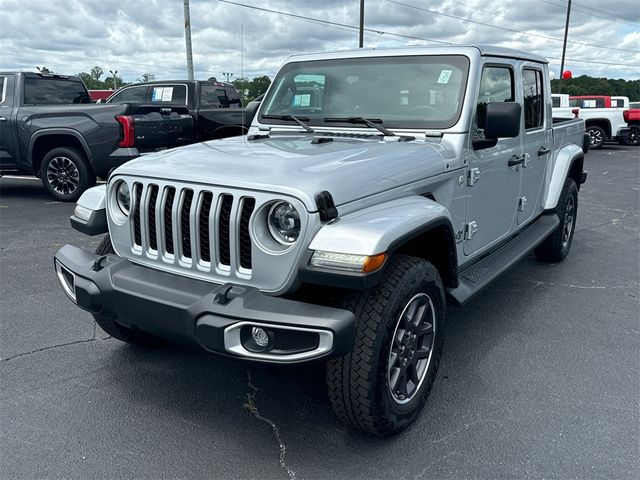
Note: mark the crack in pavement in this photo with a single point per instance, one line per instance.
(538, 283)
(58, 345)
(51, 347)
(250, 406)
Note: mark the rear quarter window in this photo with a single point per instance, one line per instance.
(3, 89)
(54, 91)
(169, 94)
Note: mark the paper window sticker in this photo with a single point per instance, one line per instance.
(167, 94)
(445, 75)
(156, 95)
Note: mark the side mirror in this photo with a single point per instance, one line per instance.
(503, 120)
(252, 109)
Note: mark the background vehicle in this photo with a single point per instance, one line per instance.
(337, 229)
(50, 128)
(97, 95)
(603, 120)
(214, 107)
(632, 117)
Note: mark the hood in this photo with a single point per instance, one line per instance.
(348, 168)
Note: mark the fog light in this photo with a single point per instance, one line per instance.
(260, 336)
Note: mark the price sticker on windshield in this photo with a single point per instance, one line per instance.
(445, 75)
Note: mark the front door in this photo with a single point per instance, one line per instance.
(537, 143)
(493, 185)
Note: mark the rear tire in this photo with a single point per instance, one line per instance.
(597, 137)
(381, 386)
(114, 329)
(65, 173)
(557, 245)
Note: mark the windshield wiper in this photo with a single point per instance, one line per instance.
(299, 120)
(369, 122)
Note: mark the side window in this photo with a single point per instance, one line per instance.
(3, 90)
(54, 91)
(496, 85)
(208, 97)
(130, 95)
(555, 101)
(532, 90)
(169, 94)
(234, 98)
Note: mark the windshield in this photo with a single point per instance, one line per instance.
(402, 92)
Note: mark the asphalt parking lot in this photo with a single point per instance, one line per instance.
(540, 376)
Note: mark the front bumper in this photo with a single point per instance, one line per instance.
(210, 316)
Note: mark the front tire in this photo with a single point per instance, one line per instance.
(557, 245)
(65, 173)
(597, 137)
(633, 139)
(114, 329)
(382, 385)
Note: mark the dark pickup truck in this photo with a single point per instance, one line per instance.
(214, 107)
(50, 128)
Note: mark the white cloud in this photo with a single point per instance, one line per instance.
(140, 36)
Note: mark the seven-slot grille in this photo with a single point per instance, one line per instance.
(198, 227)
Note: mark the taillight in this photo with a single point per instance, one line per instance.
(625, 115)
(575, 112)
(126, 131)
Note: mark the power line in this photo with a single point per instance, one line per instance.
(576, 9)
(328, 22)
(594, 10)
(506, 28)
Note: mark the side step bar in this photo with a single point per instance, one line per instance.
(479, 275)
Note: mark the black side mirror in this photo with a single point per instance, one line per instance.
(252, 109)
(503, 120)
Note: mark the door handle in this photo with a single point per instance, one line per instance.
(3, 119)
(515, 160)
(543, 151)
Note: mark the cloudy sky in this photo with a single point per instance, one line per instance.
(254, 36)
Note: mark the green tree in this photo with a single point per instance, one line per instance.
(96, 73)
(258, 86)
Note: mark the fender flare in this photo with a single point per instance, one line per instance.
(93, 219)
(58, 131)
(561, 168)
(387, 227)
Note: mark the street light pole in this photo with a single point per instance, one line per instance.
(564, 46)
(113, 75)
(187, 37)
(361, 23)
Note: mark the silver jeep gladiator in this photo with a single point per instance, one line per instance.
(374, 187)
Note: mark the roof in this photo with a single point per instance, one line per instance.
(470, 50)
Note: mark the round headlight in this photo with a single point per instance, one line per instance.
(123, 197)
(284, 223)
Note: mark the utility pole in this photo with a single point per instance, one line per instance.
(361, 23)
(187, 37)
(564, 46)
(113, 75)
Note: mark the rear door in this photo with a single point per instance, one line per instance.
(537, 141)
(8, 145)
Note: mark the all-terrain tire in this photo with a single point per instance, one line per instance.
(114, 329)
(557, 245)
(66, 174)
(358, 383)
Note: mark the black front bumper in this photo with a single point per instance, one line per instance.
(202, 314)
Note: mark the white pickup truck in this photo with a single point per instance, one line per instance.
(603, 123)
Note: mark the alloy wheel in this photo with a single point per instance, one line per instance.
(63, 175)
(411, 348)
